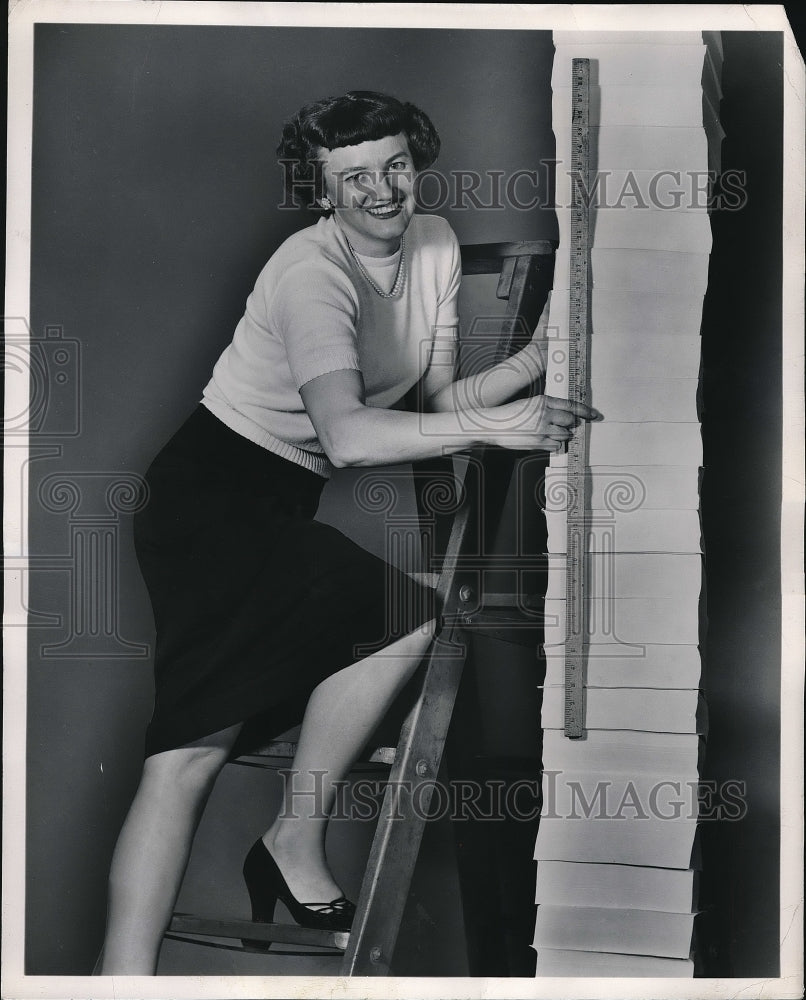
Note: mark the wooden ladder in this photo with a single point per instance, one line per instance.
(525, 273)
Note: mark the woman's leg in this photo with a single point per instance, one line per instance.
(342, 713)
(153, 849)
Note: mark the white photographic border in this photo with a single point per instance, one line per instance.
(24, 14)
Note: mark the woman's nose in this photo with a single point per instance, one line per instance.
(383, 188)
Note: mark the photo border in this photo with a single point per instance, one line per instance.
(23, 15)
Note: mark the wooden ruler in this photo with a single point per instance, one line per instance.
(578, 389)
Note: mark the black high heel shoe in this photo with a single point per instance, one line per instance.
(265, 884)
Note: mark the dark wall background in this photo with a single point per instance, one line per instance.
(155, 188)
(741, 500)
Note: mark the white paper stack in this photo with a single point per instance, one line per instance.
(616, 886)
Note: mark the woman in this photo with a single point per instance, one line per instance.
(258, 608)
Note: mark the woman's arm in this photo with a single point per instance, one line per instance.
(497, 385)
(489, 388)
(354, 434)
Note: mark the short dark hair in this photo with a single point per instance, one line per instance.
(357, 116)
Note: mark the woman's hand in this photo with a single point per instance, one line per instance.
(540, 423)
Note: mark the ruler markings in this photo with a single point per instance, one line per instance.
(578, 389)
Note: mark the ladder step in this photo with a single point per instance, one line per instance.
(501, 615)
(286, 749)
(186, 923)
(514, 602)
(509, 625)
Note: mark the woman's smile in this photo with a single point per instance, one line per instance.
(385, 211)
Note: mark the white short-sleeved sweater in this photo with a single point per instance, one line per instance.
(313, 312)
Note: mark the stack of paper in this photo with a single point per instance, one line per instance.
(616, 848)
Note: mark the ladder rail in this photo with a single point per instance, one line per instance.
(385, 888)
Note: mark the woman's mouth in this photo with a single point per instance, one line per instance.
(385, 211)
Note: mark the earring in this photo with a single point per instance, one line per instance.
(326, 204)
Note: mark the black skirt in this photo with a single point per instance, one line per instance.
(255, 603)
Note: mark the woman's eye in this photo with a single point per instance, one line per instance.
(399, 165)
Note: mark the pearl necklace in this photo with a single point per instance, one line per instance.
(400, 277)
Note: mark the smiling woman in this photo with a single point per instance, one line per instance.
(372, 185)
(259, 608)
(359, 154)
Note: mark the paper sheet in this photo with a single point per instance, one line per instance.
(645, 272)
(639, 932)
(632, 400)
(571, 39)
(629, 752)
(559, 962)
(610, 886)
(670, 107)
(644, 709)
(641, 317)
(662, 357)
(648, 229)
(611, 443)
(614, 64)
(666, 843)
(629, 620)
(640, 148)
(625, 487)
(664, 576)
(633, 531)
(647, 665)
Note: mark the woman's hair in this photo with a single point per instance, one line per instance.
(358, 116)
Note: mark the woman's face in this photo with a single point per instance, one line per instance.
(371, 186)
